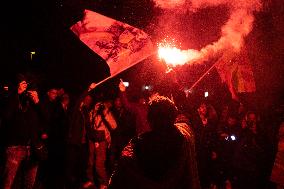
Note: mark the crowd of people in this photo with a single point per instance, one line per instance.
(158, 142)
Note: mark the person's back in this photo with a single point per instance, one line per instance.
(162, 158)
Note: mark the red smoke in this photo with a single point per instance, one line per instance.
(233, 32)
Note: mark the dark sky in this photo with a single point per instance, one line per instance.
(43, 27)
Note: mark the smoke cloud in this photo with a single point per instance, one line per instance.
(233, 32)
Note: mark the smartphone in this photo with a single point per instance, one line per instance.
(126, 84)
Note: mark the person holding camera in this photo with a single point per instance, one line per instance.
(22, 123)
(102, 124)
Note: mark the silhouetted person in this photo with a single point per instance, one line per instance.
(77, 141)
(139, 109)
(22, 128)
(123, 133)
(52, 171)
(249, 156)
(206, 137)
(277, 173)
(161, 158)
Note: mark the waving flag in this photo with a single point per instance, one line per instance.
(226, 68)
(245, 82)
(236, 71)
(119, 44)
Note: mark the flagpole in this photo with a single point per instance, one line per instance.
(114, 75)
(194, 85)
(204, 74)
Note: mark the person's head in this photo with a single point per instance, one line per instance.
(202, 109)
(22, 86)
(52, 94)
(251, 117)
(162, 112)
(65, 99)
(232, 120)
(251, 120)
(117, 103)
(241, 108)
(87, 101)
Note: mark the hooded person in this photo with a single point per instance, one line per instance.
(21, 130)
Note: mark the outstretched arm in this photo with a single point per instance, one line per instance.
(128, 105)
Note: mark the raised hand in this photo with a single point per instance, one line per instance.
(92, 86)
(34, 96)
(121, 86)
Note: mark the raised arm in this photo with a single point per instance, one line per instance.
(128, 105)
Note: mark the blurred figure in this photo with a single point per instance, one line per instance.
(123, 133)
(139, 109)
(52, 94)
(228, 135)
(251, 121)
(249, 155)
(50, 107)
(161, 158)
(57, 142)
(77, 141)
(51, 171)
(22, 128)
(65, 102)
(224, 114)
(277, 174)
(65, 113)
(204, 125)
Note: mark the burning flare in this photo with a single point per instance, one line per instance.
(174, 56)
(233, 32)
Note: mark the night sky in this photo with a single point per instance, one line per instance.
(60, 58)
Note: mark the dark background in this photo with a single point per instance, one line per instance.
(62, 60)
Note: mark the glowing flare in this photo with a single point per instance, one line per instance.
(233, 32)
(174, 56)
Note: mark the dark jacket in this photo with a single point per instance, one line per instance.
(140, 111)
(22, 122)
(158, 160)
(79, 123)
